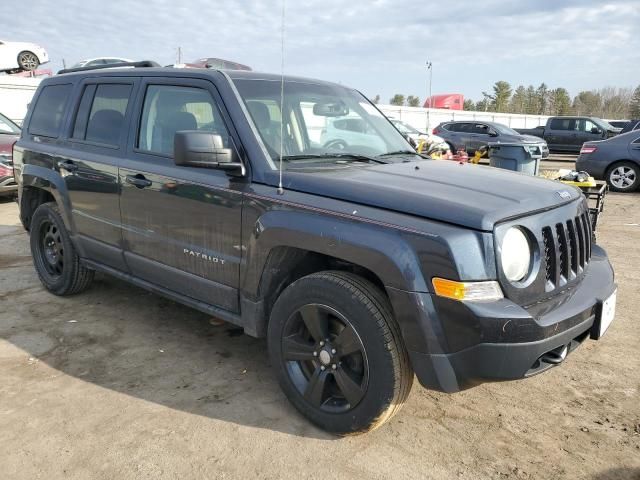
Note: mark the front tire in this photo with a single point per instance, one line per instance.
(338, 353)
(54, 257)
(623, 177)
(28, 61)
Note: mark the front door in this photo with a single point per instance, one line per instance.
(181, 225)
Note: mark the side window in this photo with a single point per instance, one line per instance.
(562, 124)
(170, 109)
(588, 126)
(101, 113)
(48, 112)
(480, 129)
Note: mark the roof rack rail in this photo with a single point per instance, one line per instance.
(141, 64)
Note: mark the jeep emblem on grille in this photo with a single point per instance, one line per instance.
(564, 194)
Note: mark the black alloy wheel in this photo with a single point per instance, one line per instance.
(325, 358)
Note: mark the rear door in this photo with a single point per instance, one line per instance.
(478, 137)
(97, 133)
(634, 150)
(181, 225)
(461, 134)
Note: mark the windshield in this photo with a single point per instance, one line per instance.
(503, 129)
(7, 126)
(320, 122)
(603, 124)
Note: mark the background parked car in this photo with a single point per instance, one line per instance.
(616, 160)
(618, 123)
(413, 133)
(631, 126)
(567, 134)
(9, 134)
(219, 63)
(94, 62)
(472, 136)
(341, 133)
(17, 56)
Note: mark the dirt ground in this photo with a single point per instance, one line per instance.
(117, 383)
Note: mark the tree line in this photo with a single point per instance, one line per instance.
(608, 102)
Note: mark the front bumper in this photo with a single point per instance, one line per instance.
(456, 345)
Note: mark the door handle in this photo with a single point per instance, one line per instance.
(67, 165)
(138, 180)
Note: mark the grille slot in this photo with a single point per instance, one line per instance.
(549, 255)
(581, 242)
(563, 254)
(573, 246)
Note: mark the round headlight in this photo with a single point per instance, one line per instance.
(516, 255)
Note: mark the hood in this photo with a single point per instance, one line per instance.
(521, 138)
(469, 195)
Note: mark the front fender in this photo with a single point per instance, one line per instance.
(383, 251)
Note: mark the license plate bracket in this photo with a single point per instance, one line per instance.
(605, 316)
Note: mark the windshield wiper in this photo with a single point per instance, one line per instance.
(346, 156)
(399, 152)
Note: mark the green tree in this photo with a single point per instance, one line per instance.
(413, 101)
(397, 99)
(587, 103)
(483, 105)
(501, 96)
(531, 101)
(469, 105)
(560, 102)
(519, 100)
(634, 105)
(542, 99)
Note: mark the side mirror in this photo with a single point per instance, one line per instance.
(493, 133)
(197, 148)
(596, 130)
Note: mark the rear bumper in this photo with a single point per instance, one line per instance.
(597, 169)
(467, 344)
(8, 186)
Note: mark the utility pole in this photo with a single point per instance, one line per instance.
(430, 69)
(179, 55)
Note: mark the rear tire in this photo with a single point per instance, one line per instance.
(28, 61)
(623, 177)
(54, 257)
(338, 352)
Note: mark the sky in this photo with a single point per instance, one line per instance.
(377, 46)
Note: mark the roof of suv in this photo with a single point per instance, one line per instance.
(192, 72)
(485, 122)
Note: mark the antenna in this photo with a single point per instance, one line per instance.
(280, 189)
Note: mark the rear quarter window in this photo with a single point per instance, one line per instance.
(48, 111)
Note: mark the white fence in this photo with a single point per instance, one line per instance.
(429, 118)
(15, 95)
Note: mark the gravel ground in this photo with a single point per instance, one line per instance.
(119, 383)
